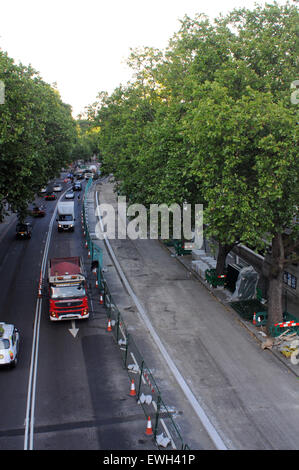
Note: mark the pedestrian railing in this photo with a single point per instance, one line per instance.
(143, 385)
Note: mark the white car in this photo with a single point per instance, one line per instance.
(43, 190)
(9, 344)
(70, 195)
(57, 188)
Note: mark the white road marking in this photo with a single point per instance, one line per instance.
(30, 407)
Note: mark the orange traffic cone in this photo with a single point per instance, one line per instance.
(132, 391)
(254, 319)
(109, 325)
(101, 299)
(97, 284)
(149, 430)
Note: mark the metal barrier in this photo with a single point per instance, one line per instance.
(148, 395)
(165, 431)
(94, 252)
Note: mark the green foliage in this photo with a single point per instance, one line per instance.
(210, 121)
(36, 134)
(87, 136)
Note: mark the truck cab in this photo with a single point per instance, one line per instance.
(65, 216)
(67, 289)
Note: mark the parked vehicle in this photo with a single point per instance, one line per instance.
(9, 344)
(67, 289)
(23, 230)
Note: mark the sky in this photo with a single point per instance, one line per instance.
(83, 45)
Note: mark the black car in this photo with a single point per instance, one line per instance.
(24, 230)
(77, 186)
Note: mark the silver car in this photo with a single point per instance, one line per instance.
(9, 344)
(70, 195)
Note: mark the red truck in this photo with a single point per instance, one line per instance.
(67, 289)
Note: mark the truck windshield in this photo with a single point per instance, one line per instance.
(65, 217)
(66, 292)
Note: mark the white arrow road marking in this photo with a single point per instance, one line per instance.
(74, 330)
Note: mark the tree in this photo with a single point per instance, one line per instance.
(210, 120)
(246, 157)
(87, 136)
(36, 134)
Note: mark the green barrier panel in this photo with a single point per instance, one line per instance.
(276, 330)
(148, 393)
(247, 308)
(179, 248)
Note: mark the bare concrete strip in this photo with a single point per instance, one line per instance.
(214, 435)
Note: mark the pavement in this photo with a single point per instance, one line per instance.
(249, 393)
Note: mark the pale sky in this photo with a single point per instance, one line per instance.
(83, 44)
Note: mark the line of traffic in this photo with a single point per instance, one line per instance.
(31, 392)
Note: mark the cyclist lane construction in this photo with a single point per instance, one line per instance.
(224, 390)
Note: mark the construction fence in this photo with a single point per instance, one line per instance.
(142, 383)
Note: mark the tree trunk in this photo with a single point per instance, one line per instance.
(275, 302)
(223, 251)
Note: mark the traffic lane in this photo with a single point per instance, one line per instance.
(83, 397)
(62, 393)
(19, 277)
(83, 400)
(120, 422)
(62, 398)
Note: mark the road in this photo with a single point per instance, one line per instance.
(77, 397)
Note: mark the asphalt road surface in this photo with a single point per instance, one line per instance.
(79, 399)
